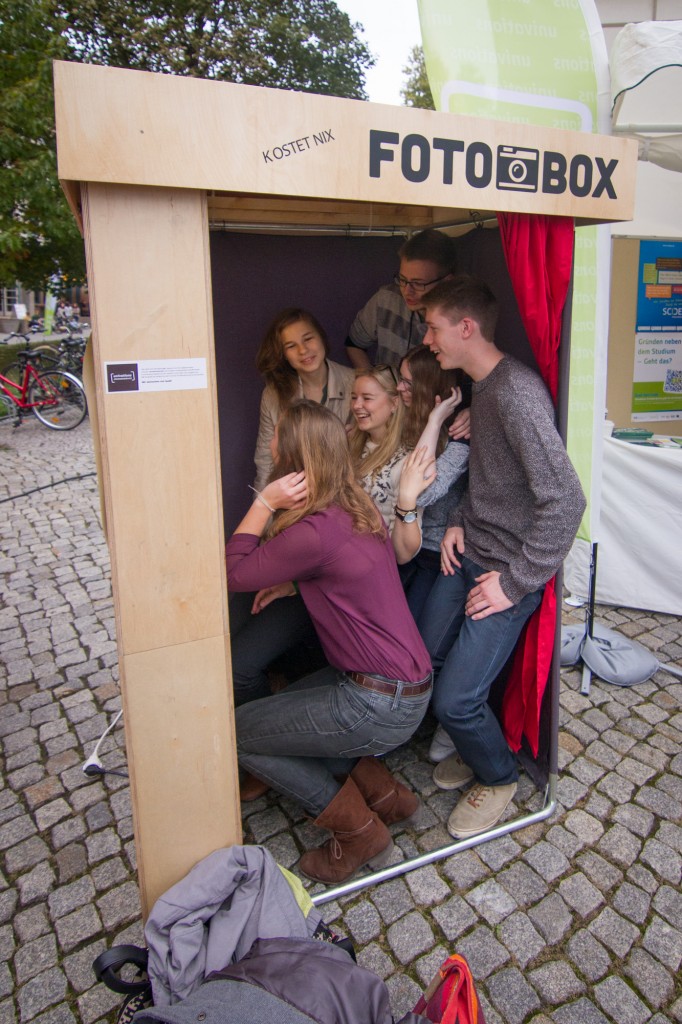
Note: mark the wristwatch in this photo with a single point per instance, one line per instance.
(405, 515)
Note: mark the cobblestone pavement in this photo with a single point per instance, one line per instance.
(576, 920)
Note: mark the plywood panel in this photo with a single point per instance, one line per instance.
(180, 743)
(150, 295)
(192, 133)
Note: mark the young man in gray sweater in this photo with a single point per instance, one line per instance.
(508, 537)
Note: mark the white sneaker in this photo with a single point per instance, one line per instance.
(441, 746)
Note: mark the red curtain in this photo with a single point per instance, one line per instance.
(539, 255)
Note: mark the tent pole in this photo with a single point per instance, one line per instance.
(587, 672)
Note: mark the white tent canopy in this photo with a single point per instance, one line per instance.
(646, 75)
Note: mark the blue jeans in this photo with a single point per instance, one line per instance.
(301, 739)
(467, 656)
(426, 570)
(257, 640)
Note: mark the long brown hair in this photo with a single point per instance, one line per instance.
(313, 439)
(428, 380)
(387, 379)
(270, 359)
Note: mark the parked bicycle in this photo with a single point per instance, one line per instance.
(66, 354)
(55, 397)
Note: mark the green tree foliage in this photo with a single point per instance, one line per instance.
(308, 45)
(38, 235)
(417, 91)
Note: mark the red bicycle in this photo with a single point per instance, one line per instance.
(56, 397)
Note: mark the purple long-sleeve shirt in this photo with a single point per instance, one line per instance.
(350, 585)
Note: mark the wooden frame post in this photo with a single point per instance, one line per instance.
(150, 293)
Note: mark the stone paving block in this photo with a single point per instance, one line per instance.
(521, 938)
(580, 1012)
(77, 927)
(512, 995)
(584, 826)
(41, 992)
(426, 886)
(632, 902)
(653, 981)
(551, 917)
(588, 955)
(282, 847)
(491, 901)
(78, 966)
(599, 871)
(403, 993)
(614, 931)
(373, 958)
(71, 862)
(464, 869)
(428, 966)
(665, 942)
(549, 862)
(69, 897)
(579, 893)
(97, 1002)
(556, 983)
(483, 952)
(565, 841)
(36, 884)
(26, 855)
(29, 924)
(410, 937)
(364, 922)
(522, 884)
(663, 861)
(663, 805)
(499, 852)
(35, 957)
(454, 917)
(634, 819)
(392, 900)
(620, 845)
(620, 1002)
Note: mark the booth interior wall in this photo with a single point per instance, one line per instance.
(255, 276)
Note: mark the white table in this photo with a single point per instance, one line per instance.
(639, 559)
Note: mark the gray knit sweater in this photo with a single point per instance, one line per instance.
(524, 503)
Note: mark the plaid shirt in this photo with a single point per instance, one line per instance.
(387, 322)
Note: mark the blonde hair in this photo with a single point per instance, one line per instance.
(313, 439)
(387, 379)
(428, 380)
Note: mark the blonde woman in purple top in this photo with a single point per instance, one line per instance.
(318, 740)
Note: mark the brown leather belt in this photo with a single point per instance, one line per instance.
(384, 686)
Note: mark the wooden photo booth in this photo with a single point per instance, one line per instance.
(206, 207)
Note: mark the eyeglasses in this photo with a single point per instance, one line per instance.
(407, 384)
(386, 367)
(417, 286)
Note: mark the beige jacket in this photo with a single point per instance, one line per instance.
(339, 387)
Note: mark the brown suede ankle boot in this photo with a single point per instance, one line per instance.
(359, 838)
(383, 794)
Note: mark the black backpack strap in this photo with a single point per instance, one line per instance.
(108, 965)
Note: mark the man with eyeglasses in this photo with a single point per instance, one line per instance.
(392, 319)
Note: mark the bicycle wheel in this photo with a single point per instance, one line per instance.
(9, 414)
(60, 398)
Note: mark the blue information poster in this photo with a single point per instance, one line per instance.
(657, 380)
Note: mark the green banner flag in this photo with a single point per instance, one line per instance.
(540, 63)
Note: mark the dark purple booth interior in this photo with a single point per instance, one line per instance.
(254, 276)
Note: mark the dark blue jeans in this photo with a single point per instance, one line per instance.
(257, 640)
(467, 656)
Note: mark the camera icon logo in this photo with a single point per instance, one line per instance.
(518, 169)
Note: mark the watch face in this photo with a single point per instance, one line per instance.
(409, 517)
